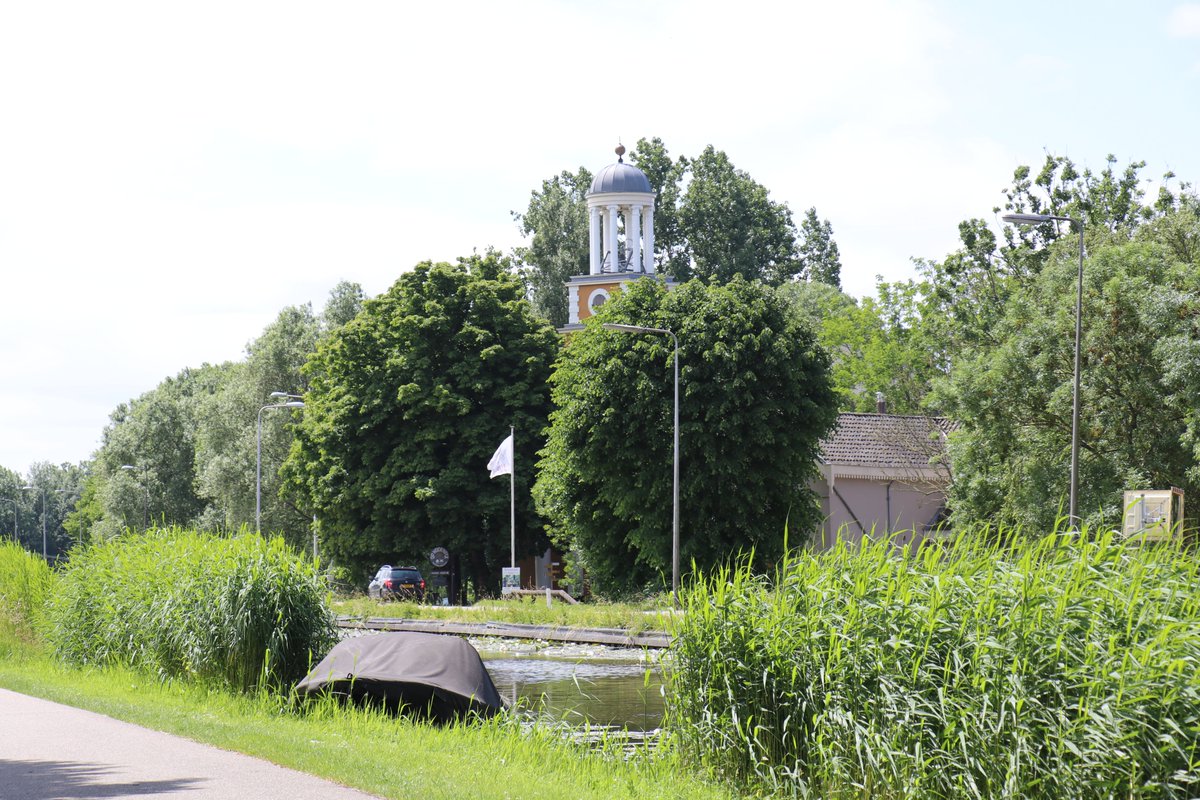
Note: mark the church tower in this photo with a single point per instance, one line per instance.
(621, 237)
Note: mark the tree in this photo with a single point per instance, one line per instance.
(666, 176)
(970, 289)
(407, 404)
(155, 436)
(733, 227)
(755, 401)
(228, 426)
(878, 345)
(818, 252)
(711, 220)
(557, 222)
(1139, 374)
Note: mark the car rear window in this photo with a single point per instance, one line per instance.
(406, 575)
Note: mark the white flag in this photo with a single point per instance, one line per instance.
(502, 459)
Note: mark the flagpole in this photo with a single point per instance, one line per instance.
(512, 496)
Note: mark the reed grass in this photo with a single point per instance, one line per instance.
(25, 584)
(242, 611)
(1062, 668)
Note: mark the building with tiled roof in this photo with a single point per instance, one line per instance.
(883, 475)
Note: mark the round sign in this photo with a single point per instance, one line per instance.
(439, 557)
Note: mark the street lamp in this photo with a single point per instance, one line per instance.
(258, 468)
(613, 326)
(1037, 219)
(44, 554)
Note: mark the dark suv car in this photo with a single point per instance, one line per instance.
(397, 583)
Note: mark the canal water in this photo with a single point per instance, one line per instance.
(602, 687)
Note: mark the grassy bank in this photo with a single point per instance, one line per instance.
(633, 617)
(378, 754)
(130, 614)
(1061, 669)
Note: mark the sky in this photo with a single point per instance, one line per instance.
(172, 175)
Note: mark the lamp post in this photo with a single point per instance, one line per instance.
(613, 326)
(297, 403)
(1037, 219)
(44, 554)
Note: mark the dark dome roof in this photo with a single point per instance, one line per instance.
(621, 177)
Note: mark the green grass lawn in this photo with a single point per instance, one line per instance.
(653, 615)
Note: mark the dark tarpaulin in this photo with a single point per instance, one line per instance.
(428, 674)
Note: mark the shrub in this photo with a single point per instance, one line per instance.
(242, 611)
(1058, 669)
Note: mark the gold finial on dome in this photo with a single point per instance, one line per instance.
(620, 151)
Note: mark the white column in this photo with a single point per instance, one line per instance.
(594, 239)
(573, 303)
(611, 230)
(648, 241)
(633, 237)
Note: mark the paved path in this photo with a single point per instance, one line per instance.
(54, 752)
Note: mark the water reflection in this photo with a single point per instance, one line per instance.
(623, 694)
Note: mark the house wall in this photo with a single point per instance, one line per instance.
(912, 509)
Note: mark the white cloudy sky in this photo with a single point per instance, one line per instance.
(173, 174)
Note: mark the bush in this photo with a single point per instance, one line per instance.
(1061, 669)
(242, 611)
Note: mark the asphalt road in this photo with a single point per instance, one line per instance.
(54, 752)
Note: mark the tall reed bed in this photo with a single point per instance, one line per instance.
(1057, 669)
(242, 612)
(25, 581)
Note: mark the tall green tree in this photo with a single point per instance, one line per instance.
(228, 437)
(1011, 460)
(711, 220)
(755, 401)
(818, 253)
(732, 225)
(148, 452)
(407, 404)
(557, 223)
(1005, 314)
(969, 290)
(877, 345)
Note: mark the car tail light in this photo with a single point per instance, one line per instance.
(387, 584)
(422, 585)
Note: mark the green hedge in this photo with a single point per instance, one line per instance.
(1062, 669)
(242, 611)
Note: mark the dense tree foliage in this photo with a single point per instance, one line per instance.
(1005, 315)
(228, 437)
(40, 501)
(186, 452)
(877, 345)
(711, 220)
(557, 223)
(819, 257)
(755, 400)
(407, 404)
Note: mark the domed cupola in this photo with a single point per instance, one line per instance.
(619, 192)
(621, 239)
(620, 178)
